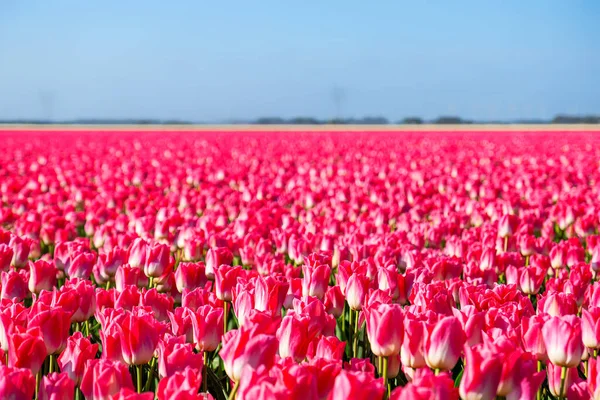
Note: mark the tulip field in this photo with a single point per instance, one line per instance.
(309, 265)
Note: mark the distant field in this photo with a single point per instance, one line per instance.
(305, 128)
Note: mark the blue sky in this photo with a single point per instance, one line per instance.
(218, 60)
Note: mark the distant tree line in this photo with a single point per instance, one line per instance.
(368, 120)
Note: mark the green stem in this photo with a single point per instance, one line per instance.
(87, 327)
(539, 391)
(204, 367)
(526, 261)
(385, 378)
(355, 343)
(139, 378)
(343, 324)
(595, 353)
(224, 317)
(150, 283)
(150, 374)
(437, 371)
(234, 391)
(38, 379)
(563, 377)
(107, 285)
(77, 327)
(380, 366)
(51, 367)
(505, 243)
(77, 394)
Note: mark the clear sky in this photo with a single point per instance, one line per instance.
(217, 60)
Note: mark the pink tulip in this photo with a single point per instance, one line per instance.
(128, 394)
(26, 349)
(56, 386)
(356, 291)
(563, 340)
(183, 384)
(42, 276)
(294, 337)
(330, 347)
(14, 285)
(6, 255)
(482, 374)
(12, 317)
(207, 325)
(334, 301)
(225, 280)
(81, 265)
(78, 352)
(443, 343)
(385, 329)
(175, 357)
(109, 262)
(102, 379)
(16, 383)
(531, 336)
(269, 294)
(590, 327)
(245, 347)
(593, 378)
(54, 324)
(315, 280)
(137, 253)
(215, 257)
(349, 386)
(411, 352)
(554, 379)
(127, 275)
(158, 260)
(139, 338)
(20, 248)
(190, 276)
(84, 300)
